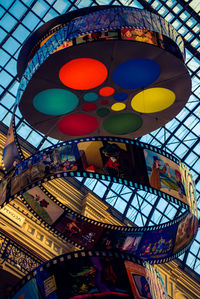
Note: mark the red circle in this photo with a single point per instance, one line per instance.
(89, 107)
(83, 73)
(106, 91)
(104, 102)
(78, 124)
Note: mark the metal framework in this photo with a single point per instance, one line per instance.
(179, 137)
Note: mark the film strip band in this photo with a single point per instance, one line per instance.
(130, 34)
(68, 159)
(109, 158)
(141, 20)
(12, 152)
(91, 274)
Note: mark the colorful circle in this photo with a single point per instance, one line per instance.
(106, 91)
(83, 73)
(78, 124)
(120, 96)
(55, 101)
(153, 100)
(103, 112)
(118, 106)
(90, 97)
(89, 107)
(104, 102)
(136, 73)
(123, 123)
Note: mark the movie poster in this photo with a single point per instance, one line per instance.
(156, 284)
(165, 175)
(140, 35)
(10, 156)
(189, 188)
(186, 230)
(157, 244)
(89, 276)
(113, 159)
(43, 205)
(28, 291)
(78, 230)
(44, 164)
(137, 278)
(145, 282)
(4, 190)
(123, 241)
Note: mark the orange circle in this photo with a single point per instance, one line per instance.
(83, 73)
(106, 91)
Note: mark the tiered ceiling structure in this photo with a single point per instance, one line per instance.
(179, 137)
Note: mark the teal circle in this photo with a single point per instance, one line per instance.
(103, 111)
(90, 96)
(55, 101)
(123, 123)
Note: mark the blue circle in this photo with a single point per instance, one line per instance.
(120, 96)
(90, 96)
(136, 73)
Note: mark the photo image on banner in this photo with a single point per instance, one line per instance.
(29, 291)
(137, 278)
(11, 155)
(187, 228)
(165, 175)
(157, 244)
(79, 231)
(115, 159)
(123, 241)
(43, 205)
(86, 277)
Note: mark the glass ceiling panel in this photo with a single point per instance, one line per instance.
(180, 137)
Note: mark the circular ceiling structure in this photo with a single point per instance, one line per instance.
(130, 71)
(155, 104)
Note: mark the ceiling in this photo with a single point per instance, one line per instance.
(180, 137)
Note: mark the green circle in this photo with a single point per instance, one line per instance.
(103, 112)
(55, 101)
(90, 97)
(123, 123)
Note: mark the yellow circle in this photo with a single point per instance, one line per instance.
(153, 100)
(118, 106)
